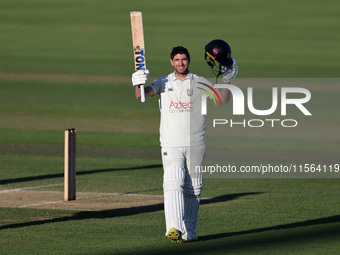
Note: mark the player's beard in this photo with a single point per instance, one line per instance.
(182, 70)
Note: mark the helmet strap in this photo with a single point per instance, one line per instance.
(217, 71)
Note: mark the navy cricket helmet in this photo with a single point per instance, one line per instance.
(218, 51)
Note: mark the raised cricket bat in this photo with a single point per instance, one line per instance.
(138, 45)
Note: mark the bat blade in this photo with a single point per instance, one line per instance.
(138, 45)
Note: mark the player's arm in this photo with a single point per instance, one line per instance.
(227, 76)
(224, 95)
(140, 78)
(148, 91)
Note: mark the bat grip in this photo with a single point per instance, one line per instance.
(142, 94)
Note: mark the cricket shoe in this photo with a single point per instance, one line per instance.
(189, 237)
(175, 236)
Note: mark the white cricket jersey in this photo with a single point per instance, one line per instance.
(180, 102)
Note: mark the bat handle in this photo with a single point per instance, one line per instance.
(142, 94)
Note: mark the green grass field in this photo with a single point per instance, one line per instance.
(66, 64)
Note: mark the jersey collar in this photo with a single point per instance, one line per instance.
(174, 78)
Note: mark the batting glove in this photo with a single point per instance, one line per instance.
(231, 72)
(140, 77)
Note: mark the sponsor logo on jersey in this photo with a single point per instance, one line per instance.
(181, 107)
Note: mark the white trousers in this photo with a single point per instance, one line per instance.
(182, 186)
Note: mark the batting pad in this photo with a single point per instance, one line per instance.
(192, 194)
(191, 206)
(173, 182)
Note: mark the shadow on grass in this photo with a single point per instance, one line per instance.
(257, 239)
(85, 172)
(121, 212)
(268, 240)
(326, 220)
